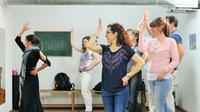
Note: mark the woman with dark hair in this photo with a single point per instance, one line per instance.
(30, 97)
(88, 61)
(136, 80)
(115, 57)
(163, 57)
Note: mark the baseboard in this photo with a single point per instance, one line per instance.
(181, 108)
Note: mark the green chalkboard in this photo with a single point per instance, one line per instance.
(55, 43)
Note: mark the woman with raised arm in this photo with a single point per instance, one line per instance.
(160, 50)
(30, 97)
(88, 61)
(115, 57)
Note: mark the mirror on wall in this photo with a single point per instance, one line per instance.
(2, 66)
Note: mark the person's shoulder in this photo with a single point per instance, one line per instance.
(175, 34)
(170, 40)
(104, 46)
(150, 41)
(36, 51)
(177, 38)
(91, 52)
(128, 49)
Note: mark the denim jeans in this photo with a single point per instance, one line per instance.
(170, 97)
(134, 87)
(159, 91)
(115, 101)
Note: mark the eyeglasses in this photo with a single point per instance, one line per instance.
(107, 32)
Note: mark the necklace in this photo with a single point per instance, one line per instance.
(158, 43)
(156, 46)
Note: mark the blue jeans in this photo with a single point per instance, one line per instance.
(159, 91)
(134, 87)
(115, 101)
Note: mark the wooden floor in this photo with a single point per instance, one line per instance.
(78, 110)
(82, 110)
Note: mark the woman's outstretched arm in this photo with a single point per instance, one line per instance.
(139, 64)
(92, 42)
(75, 46)
(25, 28)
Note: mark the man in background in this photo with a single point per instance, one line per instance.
(173, 24)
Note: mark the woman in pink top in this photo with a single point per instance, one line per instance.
(160, 49)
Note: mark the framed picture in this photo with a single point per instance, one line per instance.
(193, 41)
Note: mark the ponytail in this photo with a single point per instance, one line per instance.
(33, 39)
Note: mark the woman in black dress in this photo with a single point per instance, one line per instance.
(30, 98)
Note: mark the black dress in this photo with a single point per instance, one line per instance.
(30, 99)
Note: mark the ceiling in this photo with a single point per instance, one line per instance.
(85, 2)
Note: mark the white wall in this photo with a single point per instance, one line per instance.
(8, 62)
(188, 89)
(1, 16)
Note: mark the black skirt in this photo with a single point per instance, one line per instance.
(30, 99)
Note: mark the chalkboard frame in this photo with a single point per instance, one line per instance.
(68, 49)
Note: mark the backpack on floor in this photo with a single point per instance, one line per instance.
(97, 87)
(62, 82)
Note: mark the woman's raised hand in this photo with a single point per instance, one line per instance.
(100, 24)
(26, 26)
(72, 33)
(99, 27)
(146, 15)
(143, 22)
